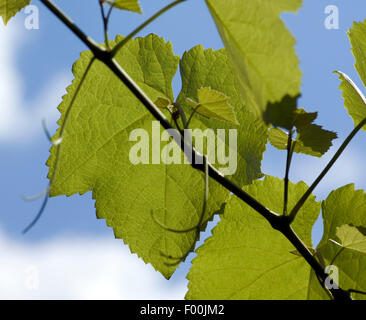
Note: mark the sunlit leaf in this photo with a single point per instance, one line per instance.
(260, 47)
(246, 259)
(95, 156)
(162, 102)
(311, 139)
(9, 8)
(352, 238)
(130, 5)
(345, 206)
(213, 104)
(354, 100)
(207, 68)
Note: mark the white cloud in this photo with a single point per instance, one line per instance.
(87, 268)
(349, 168)
(20, 119)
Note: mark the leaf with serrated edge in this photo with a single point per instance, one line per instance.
(314, 140)
(303, 118)
(354, 100)
(352, 239)
(281, 114)
(9, 8)
(278, 138)
(201, 68)
(95, 155)
(162, 102)
(286, 115)
(245, 258)
(344, 206)
(311, 140)
(260, 47)
(213, 104)
(357, 35)
(130, 5)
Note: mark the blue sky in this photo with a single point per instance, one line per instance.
(68, 244)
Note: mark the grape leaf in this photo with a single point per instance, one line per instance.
(9, 8)
(314, 140)
(260, 47)
(344, 206)
(201, 68)
(245, 258)
(303, 118)
(95, 156)
(357, 36)
(286, 115)
(281, 114)
(352, 238)
(354, 100)
(213, 104)
(162, 102)
(311, 140)
(278, 138)
(130, 5)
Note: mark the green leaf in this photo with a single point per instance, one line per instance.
(344, 206)
(245, 258)
(303, 118)
(297, 253)
(9, 8)
(357, 37)
(311, 140)
(352, 238)
(207, 68)
(286, 115)
(162, 102)
(130, 5)
(281, 114)
(214, 104)
(278, 138)
(261, 48)
(314, 140)
(95, 155)
(354, 100)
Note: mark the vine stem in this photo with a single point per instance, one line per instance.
(105, 22)
(287, 173)
(306, 195)
(278, 222)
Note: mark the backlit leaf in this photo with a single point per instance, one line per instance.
(357, 36)
(9, 8)
(352, 238)
(260, 47)
(311, 139)
(246, 259)
(314, 140)
(345, 206)
(95, 155)
(201, 68)
(354, 100)
(130, 5)
(214, 104)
